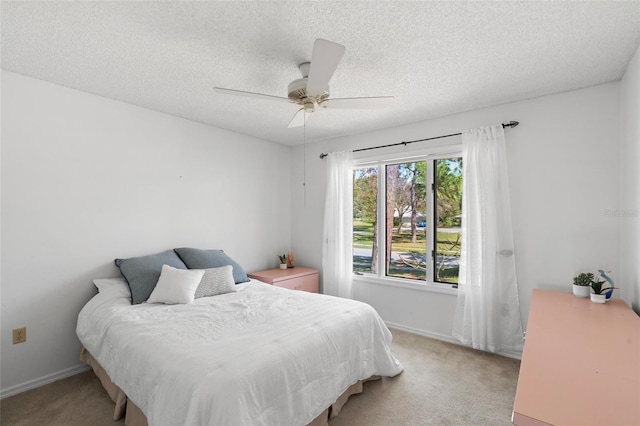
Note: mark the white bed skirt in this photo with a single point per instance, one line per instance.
(133, 416)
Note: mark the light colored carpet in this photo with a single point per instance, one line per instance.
(442, 384)
(78, 400)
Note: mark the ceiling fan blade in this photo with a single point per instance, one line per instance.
(359, 103)
(298, 119)
(324, 60)
(224, 91)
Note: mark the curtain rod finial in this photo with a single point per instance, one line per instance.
(323, 155)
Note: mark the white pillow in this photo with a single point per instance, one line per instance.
(176, 285)
(116, 287)
(216, 281)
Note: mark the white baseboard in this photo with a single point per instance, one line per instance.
(424, 333)
(444, 338)
(36, 383)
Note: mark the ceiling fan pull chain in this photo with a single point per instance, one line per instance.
(304, 159)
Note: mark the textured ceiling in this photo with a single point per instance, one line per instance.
(436, 58)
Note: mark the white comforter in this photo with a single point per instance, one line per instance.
(261, 355)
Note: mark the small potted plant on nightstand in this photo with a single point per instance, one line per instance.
(283, 261)
(582, 284)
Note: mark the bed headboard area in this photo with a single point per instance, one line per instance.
(144, 273)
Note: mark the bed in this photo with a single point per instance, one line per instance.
(259, 355)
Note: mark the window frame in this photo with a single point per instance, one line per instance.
(381, 161)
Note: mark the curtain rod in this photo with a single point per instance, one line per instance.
(504, 125)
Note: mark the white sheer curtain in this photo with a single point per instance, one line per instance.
(337, 264)
(488, 311)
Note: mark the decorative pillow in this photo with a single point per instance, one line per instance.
(114, 286)
(216, 281)
(205, 259)
(176, 285)
(142, 273)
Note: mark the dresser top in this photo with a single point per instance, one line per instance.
(581, 362)
(275, 275)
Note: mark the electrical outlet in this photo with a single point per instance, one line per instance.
(19, 335)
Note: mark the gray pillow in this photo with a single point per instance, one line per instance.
(205, 259)
(142, 273)
(216, 281)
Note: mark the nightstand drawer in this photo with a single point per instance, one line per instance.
(298, 278)
(306, 283)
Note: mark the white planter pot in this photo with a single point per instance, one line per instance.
(581, 290)
(598, 298)
(283, 266)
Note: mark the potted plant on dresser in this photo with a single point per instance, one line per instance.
(601, 294)
(582, 284)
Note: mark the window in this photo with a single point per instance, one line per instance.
(448, 206)
(406, 219)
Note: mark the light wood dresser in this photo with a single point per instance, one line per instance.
(297, 278)
(580, 364)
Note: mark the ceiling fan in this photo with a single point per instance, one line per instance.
(312, 90)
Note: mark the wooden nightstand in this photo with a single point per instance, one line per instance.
(298, 278)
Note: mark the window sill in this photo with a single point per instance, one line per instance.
(390, 282)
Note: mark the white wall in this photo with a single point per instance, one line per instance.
(630, 180)
(563, 166)
(86, 179)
